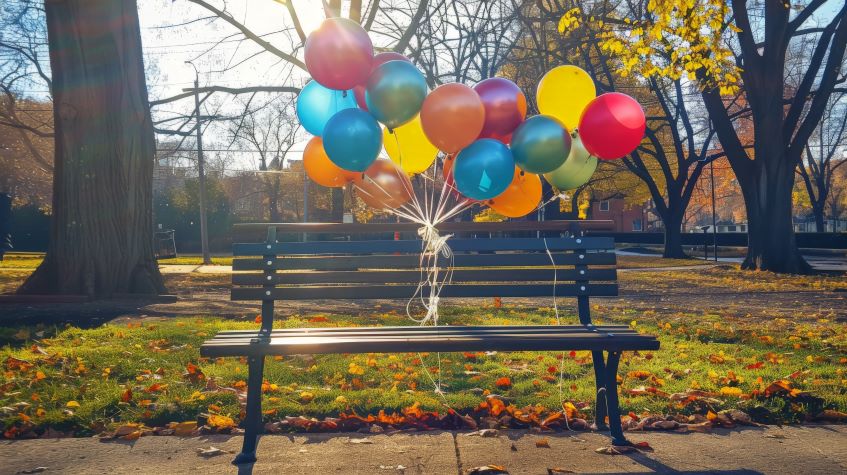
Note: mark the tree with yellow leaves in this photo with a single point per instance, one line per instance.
(679, 142)
(736, 52)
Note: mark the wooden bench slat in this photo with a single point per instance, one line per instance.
(514, 342)
(380, 261)
(414, 276)
(422, 328)
(415, 246)
(407, 291)
(378, 332)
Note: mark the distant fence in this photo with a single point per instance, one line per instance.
(804, 240)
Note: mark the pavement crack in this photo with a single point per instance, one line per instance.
(458, 455)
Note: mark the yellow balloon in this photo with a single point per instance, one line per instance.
(564, 92)
(408, 147)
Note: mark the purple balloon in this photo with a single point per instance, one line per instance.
(505, 107)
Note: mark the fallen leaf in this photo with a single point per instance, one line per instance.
(488, 470)
(220, 422)
(361, 441)
(34, 470)
(503, 383)
(210, 452)
(184, 429)
(542, 444)
(126, 396)
(72, 404)
(484, 433)
(555, 470)
(615, 450)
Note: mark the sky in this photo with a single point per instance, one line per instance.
(168, 42)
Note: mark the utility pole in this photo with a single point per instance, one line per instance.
(305, 201)
(201, 172)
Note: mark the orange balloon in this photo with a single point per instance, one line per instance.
(452, 116)
(321, 169)
(520, 198)
(384, 185)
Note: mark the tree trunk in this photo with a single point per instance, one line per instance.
(273, 201)
(673, 236)
(337, 205)
(101, 241)
(818, 211)
(771, 243)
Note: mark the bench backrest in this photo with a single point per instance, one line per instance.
(390, 269)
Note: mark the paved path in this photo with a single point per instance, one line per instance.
(772, 450)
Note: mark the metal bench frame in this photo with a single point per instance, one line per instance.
(319, 285)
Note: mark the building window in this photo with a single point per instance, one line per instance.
(731, 228)
(636, 225)
(604, 205)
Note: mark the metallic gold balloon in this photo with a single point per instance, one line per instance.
(384, 185)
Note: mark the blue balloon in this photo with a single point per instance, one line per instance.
(352, 139)
(316, 104)
(484, 169)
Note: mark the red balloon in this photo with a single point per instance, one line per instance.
(339, 54)
(505, 108)
(379, 59)
(612, 126)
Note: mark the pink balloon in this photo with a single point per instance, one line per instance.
(378, 59)
(612, 126)
(505, 107)
(339, 54)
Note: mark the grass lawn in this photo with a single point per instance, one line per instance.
(149, 371)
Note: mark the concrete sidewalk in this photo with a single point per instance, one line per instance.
(818, 449)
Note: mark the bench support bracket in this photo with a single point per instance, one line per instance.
(253, 418)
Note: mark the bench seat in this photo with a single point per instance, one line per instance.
(427, 339)
(569, 265)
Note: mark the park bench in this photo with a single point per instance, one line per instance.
(388, 269)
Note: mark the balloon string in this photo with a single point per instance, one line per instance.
(399, 149)
(558, 322)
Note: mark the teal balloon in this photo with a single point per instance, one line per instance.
(484, 169)
(540, 144)
(317, 104)
(576, 171)
(352, 139)
(395, 92)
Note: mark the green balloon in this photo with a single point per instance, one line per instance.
(395, 92)
(577, 169)
(540, 144)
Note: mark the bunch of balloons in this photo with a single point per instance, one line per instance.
(493, 153)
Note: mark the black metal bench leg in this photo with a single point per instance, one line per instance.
(615, 429)
(600, 383)
(253, 417)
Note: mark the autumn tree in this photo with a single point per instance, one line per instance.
(101, 241)
(679, 142)
(270, 131)
(26, 111)
(740, 50)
